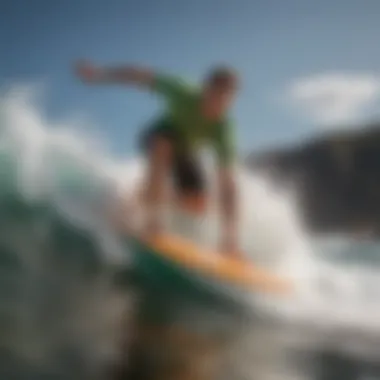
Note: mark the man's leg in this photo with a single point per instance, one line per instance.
(159, 153)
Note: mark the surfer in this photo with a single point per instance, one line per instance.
(193, 117)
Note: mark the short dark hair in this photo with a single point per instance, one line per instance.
(223, 76)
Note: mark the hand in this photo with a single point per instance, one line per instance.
(86, 71)
(229, 244)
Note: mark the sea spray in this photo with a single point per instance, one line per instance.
(61, 309)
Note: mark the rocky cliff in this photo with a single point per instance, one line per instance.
(337, 177)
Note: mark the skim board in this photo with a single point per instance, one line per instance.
(182, 266)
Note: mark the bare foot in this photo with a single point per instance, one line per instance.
(237, 255)
(231, 251)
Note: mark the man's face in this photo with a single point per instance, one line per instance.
(218, 99)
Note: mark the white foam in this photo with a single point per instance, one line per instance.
(271, 231)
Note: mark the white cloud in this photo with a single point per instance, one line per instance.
(334, 98)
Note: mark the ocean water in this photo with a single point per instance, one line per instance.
(64, 313)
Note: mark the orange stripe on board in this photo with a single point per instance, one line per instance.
(216, 265)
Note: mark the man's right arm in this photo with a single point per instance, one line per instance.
(168, 86)
(115, 75)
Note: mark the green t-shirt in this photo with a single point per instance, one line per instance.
(184, 114)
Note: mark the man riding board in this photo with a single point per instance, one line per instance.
(193, 117)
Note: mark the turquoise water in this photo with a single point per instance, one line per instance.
(63, 309)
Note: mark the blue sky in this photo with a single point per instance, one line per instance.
(294, 56)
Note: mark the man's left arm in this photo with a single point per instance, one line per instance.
(227, 185)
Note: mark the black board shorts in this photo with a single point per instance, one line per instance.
(186, 170)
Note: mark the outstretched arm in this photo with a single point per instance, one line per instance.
(115, 75)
